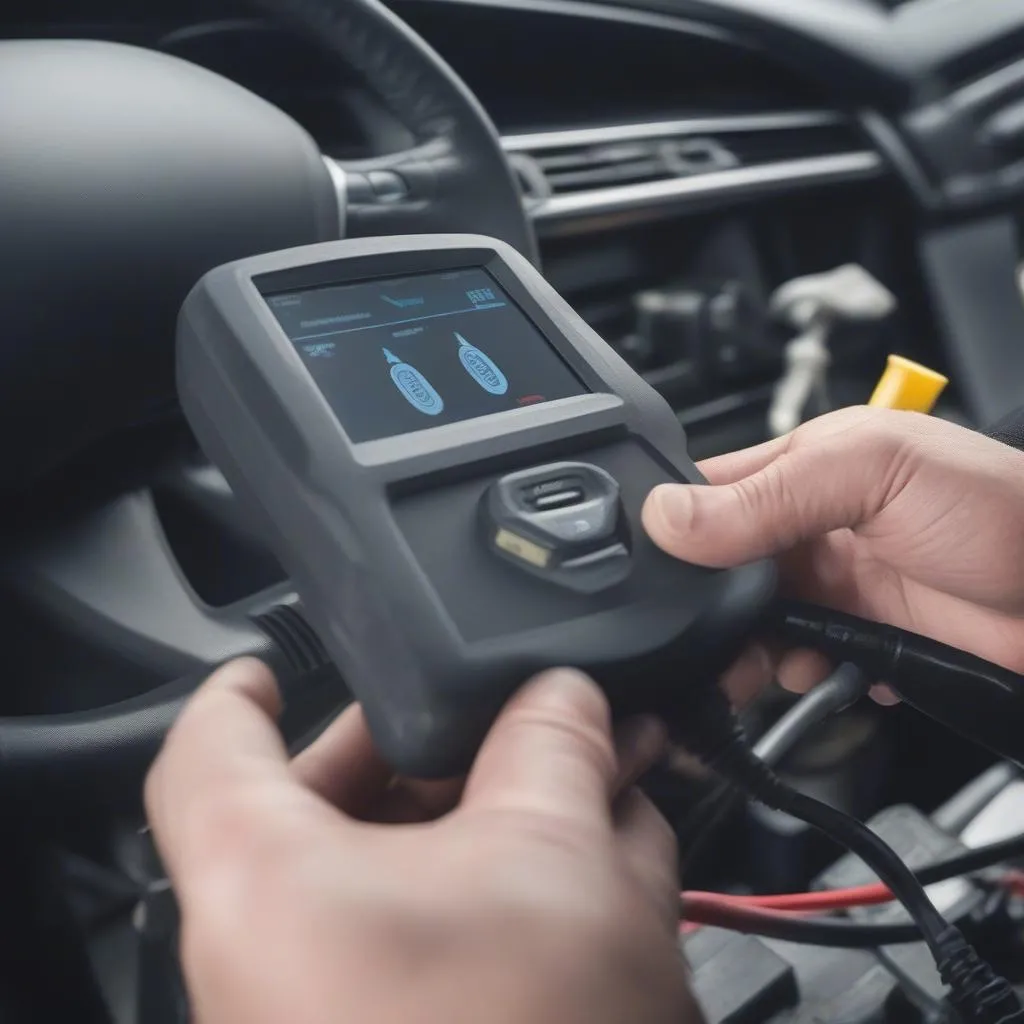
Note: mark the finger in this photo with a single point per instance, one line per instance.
(343, 766)
(802, 669)
(224, 744)
(733, 466)
(648, 845)
(728, 468)
(798, 496)
(549, 753)
(748, 675)
(881, 694)
(639, 744)
(686, 765)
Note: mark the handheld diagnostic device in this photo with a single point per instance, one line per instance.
(451, 465)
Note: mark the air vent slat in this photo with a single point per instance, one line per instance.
(596, 155)
(613, 174)
(619, 166)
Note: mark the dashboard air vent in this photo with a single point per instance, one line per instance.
(622, 163)
(608, 169)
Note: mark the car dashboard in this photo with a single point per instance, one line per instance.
(676, 174)
(680, 161)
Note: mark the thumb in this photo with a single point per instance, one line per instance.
(796, 497)
(550, 753)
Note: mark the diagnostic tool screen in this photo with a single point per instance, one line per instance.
(400, 354)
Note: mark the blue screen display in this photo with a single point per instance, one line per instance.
(402, 354)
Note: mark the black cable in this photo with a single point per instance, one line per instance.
(738, 763)
(834, 694)
(711, 731)
(854, 935)
(840, 934)
(973, 697)
(828, 932)
(973, 861)
(978, 859)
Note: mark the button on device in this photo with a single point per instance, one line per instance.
(562, 522)
(558, 499)
(535, 491)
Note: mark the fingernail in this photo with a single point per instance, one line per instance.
(251, 677)
(240, 672)
(567, 690)
(881, 694)
(672, 505)
(562, 680)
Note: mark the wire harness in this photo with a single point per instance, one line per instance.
(712, 732)
(839, 691)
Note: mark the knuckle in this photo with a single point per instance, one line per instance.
(690, 518)
(767, 499)
(775, 491)
(896, 457)
(884, 436)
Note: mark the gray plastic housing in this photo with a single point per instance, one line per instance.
(431, 631)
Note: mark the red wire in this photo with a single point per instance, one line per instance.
(716, 907)
(835, 899)
(832, 899)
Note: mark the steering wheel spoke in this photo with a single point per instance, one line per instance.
(457, 177)
(391, 194)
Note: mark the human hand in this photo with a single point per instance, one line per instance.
(541, 889)
(897, 517)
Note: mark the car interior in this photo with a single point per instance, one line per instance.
(679, 170)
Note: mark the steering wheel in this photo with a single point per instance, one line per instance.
(129, 173)
(456, 176)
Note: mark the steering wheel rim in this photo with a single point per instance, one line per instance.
(154, 170)
(458, 180)
(456, 176)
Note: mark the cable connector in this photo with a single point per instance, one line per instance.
(979, 995)
(975, 698)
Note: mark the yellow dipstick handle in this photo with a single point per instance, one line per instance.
(908, 386)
